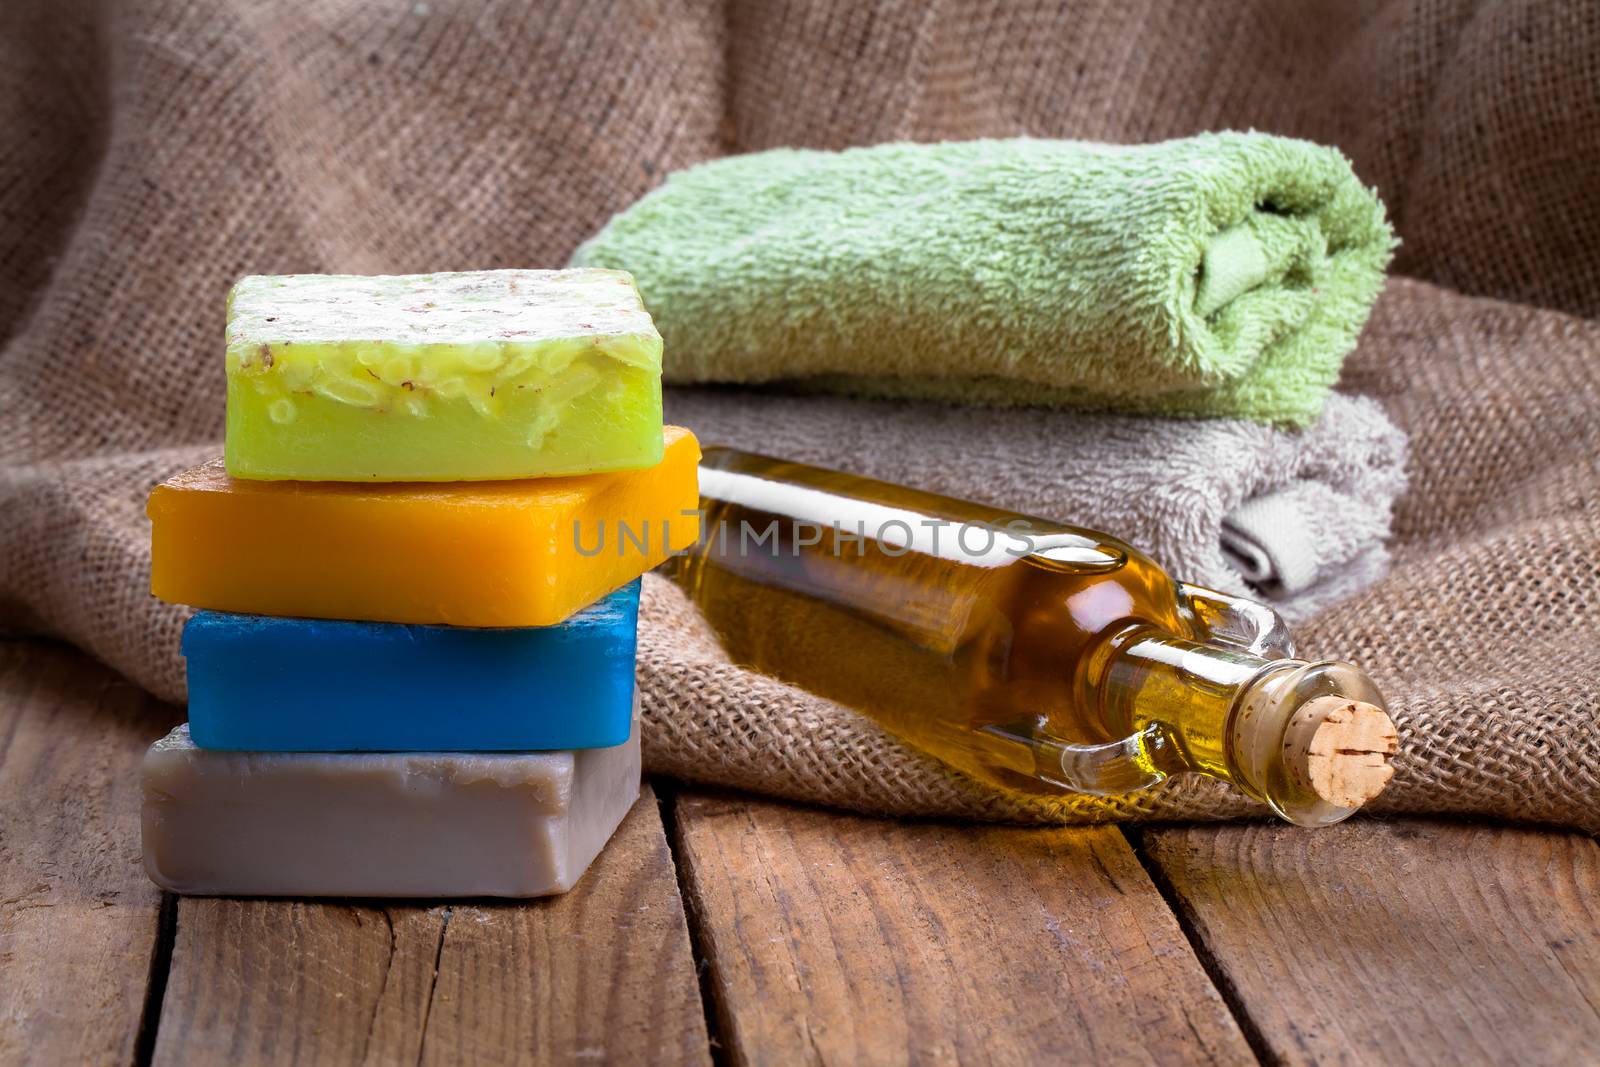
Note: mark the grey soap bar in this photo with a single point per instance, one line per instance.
(371, 824)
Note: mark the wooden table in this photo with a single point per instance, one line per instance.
(724, 928)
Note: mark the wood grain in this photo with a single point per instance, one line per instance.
(603, 973)
(846, 940)
(1399, 942)
(78, 918)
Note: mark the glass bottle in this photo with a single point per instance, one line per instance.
(1036, 656)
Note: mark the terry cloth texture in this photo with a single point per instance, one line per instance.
(155, 152)
(1313, 507)
(1222, 274)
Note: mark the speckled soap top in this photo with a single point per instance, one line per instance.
(450, 308)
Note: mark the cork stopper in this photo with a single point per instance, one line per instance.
(1340, 749)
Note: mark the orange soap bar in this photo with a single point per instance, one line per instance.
(514, 553)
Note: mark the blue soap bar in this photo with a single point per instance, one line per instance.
(266, 684)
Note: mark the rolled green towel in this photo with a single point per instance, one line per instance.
(1223, 274)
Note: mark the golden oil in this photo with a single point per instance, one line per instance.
(1034, 655)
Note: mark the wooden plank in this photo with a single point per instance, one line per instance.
(602, 973)
(78, 918)
(841, 939)
(256, 981)
(1399, 942)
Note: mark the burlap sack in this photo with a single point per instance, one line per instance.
(153, 152)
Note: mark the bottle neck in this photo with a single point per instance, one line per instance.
(1309, 739)
(1186, 687)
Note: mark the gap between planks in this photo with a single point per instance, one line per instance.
(155, 992)
(835, 938)
(667, 791)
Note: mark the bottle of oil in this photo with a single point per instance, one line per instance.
(1034, 655)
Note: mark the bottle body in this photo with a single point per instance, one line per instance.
(1034, 655)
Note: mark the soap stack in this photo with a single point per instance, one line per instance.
(412, 674)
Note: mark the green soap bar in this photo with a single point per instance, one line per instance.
(441, 377)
